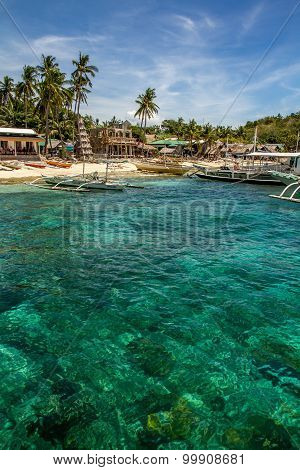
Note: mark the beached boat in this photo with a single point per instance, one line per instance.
(58, 164)
(35, 165)
(173, 169)
(11, 165)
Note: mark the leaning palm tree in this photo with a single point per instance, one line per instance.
(26, 88)
(7, 89)
(147, 108)
(81, 83)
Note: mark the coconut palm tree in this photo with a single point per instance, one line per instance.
(82, 78)
(180, 127)
(7, 89)
(26, 88)
(191, 133)
(81, 83)
(52, 93)
(147, 108)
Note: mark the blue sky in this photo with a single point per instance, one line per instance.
(197, 54)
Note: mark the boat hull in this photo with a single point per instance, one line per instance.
(286, 178)
(91, 185)
(58, 164)
(240, 178)
(35, 165)
(173, 170)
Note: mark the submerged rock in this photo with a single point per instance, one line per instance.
(153, 358)
(260, 434)
(174, 424)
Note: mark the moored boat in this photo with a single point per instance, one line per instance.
(92, 183)
(251, 176)
(173, 169)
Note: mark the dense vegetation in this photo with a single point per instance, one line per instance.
(46, 100)
(271, 129)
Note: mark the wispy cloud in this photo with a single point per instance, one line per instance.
(252, 16)
(185, 22)
(209, 22)
(64, 47)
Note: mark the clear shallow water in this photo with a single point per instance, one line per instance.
(166, 318)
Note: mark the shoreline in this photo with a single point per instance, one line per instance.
(117, 170)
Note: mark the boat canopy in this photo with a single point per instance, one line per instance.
(273, 154)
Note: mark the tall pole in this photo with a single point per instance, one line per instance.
(255, 139)
(297, 146)
(106, 173)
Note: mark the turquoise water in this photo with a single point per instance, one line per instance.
(163, 318)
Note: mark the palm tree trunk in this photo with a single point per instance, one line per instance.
(47, 130)
(144, 134)
(25, 110)
(78, 130)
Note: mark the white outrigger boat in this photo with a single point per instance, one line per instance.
(80, 183)
(290, 179)
(76, 183)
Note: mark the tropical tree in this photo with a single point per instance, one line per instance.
(52, 93)
(191, 133)
(27, 87)
(7, 89)
(147, 108)
(81, 83)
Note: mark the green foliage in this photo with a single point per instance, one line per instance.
(271, 130)
(147, 108)
(43, 99)
(138, 133)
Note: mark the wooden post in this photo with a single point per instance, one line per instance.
(15, 148)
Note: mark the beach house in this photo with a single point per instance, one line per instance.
(20, 144)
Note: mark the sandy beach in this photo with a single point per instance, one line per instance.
(27, 174)
(116, 170)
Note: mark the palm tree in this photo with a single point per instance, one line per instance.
(47, 63)
(180, 127)
(7, 89)
(147, 108)
(81, 82)
(26, 88)
(191, 133)
(51, 92)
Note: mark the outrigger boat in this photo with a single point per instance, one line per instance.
(291, 180)
(259, 175)
(246, 170)
(81, 183)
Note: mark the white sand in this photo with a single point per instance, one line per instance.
(27, 172)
